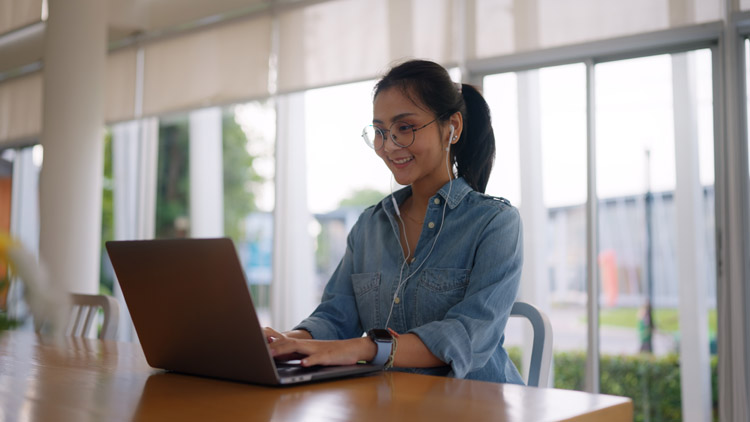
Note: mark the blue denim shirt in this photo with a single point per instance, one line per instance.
(457, 298)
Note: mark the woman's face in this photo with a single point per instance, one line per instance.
(423, 163)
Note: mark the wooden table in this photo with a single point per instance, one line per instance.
(93, 380)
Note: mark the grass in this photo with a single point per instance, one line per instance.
(665, 319)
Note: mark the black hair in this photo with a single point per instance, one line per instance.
(474, 153)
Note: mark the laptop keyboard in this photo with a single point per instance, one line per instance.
(292, 369)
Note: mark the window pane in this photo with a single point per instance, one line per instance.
(343, 174)
(501, 93)
(549, 104)
(651, 111)
(173, 178)
(249, 138)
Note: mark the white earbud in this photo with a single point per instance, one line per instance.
(395, 205)
(451, 138)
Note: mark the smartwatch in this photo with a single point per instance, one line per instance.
(384, 342)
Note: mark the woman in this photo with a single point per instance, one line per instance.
(432, 271)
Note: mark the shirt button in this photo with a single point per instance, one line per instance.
(396, 301)
(436, 201)
(431, 225)
(411, 260)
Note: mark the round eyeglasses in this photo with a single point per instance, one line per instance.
(400, 132)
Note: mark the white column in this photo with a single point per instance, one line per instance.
(591, 381)
(534, 285)
(75, 50)
(533, 211)
(695, 369)
(732, 223)
(206, 174)
(292, 290)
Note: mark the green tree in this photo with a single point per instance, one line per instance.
(362, 198)
(106, 282)
(239, 176)
(173, 179)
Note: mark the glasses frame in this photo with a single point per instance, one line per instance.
(393, 137)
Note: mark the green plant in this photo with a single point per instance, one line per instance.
(652, 382)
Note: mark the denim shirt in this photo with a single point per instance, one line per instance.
(457, 295)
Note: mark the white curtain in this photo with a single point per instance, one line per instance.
(134, 165)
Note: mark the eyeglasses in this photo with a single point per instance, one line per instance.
(401, 133)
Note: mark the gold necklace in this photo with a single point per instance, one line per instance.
(408, 215)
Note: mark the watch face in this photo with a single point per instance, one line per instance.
(379, 334)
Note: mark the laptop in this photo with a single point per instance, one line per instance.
(192, 310)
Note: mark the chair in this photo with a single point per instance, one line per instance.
(84, 312)
(541, 351)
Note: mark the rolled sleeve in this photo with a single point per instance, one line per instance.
(472, 330)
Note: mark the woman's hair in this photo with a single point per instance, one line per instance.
(474, 153)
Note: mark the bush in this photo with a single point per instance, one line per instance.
(652, 382)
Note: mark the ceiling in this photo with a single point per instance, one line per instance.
(131, 20)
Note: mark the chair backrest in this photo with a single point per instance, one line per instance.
(84, 312)
(541, 351)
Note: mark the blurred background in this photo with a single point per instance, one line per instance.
(621, 137)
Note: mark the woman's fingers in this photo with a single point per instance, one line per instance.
(314, 352)
(271, 334)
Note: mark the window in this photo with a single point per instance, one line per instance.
(539, 119)
(344, 176)
(654, 173)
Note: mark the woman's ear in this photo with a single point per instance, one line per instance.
(456, 122)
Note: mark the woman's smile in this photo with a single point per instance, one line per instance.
(401, 162)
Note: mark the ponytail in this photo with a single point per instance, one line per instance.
(474, 153)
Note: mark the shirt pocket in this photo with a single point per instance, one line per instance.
(365, 286)
(439, 290)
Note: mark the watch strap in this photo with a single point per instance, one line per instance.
(383, 353)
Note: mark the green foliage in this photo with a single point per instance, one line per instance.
(362, 198)
(108, 226)
(6, 323)
(514, 353)
(239, 200)
(173, 179)
(652, 382)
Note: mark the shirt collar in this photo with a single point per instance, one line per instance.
(459, 188)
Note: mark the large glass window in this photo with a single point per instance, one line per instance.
(654, 144)
(655, 176)
(344, 175)
(539, 120)
(243, 138)
(249, 140)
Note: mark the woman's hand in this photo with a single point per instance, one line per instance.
(319, 352)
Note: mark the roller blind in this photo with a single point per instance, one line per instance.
(20, 108)
(121, 86)
(554, 23)
(219, 65)
(16, 14)
(348, 40)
